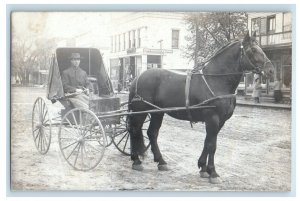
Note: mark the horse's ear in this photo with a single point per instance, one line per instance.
(247, 37)
(254, 34)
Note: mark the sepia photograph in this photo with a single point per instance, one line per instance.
(151, 101)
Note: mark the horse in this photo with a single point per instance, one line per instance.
(218, 78)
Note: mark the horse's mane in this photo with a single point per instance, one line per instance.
(224, 47)
(219, 51)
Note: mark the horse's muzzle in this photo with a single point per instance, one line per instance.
(269, 69)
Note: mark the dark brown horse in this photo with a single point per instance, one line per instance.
(163, 88)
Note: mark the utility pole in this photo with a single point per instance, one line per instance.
(161, 53)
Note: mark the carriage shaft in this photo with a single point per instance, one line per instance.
(165, 110)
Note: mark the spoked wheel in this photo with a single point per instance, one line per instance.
(82, 139)
(121, 138)
(41, 126)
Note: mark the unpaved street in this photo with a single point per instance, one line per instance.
(253, 154)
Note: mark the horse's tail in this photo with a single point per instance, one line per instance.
(132, 92)
(134, 124)
(137, 144)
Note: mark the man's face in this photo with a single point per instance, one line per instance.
(75, 62)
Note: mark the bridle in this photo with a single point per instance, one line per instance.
(255, 68)
(243, 54)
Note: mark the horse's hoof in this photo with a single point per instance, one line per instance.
(215, 180)
(204, 175)
(137, 167)
(163, 167)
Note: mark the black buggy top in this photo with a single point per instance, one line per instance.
(91, 62)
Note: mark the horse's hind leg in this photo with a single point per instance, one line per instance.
(136, 139)
(213, 126)
(153, 130)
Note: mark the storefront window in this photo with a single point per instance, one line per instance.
(115, 45)
(115, 72)
(287, 22)
(286, 70)
(139, 38)
(133, 38)
(175, 39)
(124, 41)
(271, 24)
(129, 40)
(255, 26)
(153, 61)
(111, 44)
(119, 43)
(277, 66)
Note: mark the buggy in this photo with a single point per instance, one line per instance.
(83, 134)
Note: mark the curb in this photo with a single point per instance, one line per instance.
(264, 105)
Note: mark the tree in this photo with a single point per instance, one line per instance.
(212, 30)
(29, 56)
(23, 59)
(31, 48)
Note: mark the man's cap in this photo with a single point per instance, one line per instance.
(75, 56)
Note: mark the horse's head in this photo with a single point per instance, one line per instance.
(259, 62)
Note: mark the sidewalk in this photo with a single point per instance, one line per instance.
(240, 100)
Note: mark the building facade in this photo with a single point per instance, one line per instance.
(145, 40)
(274, 35)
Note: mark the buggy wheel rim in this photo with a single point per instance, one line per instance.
(41, 126)
(82, 139)
(121, 136)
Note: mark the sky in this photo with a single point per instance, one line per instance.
(90, 28)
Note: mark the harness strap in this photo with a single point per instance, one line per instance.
(187, 94)
(203, 77)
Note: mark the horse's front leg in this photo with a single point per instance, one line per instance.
(213, 126)
(202, 161)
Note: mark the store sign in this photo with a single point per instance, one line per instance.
(157, 51)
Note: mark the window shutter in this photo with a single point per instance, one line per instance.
(263, 24)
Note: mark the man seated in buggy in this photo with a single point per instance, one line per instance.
(75, 81)
(78, 79)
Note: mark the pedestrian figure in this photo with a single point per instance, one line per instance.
(256, 88)
(277, 90)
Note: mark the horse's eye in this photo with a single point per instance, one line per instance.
(254, 41)
(253, 49)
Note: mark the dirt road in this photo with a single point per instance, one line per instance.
(253, 154)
